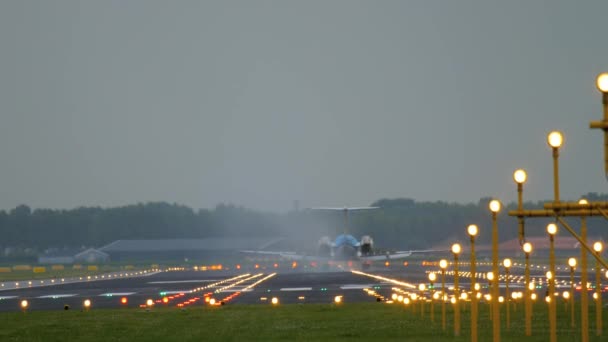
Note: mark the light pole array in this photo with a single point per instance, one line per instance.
(597, 247)
(456, 249)
(552, 230)
(528, 297)
(432, 278)
(473, 230)
(572, 264)
(421, 288)
(559, 210)
(495, 208)
(602, 86)
(443, 264)
(507, 264)
(584, 279)
(520, 176)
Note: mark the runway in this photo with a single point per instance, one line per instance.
(183, 289)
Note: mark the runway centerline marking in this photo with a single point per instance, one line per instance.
(176, 292)
(111, 294)
(58, 295)
(182, 281)
(296, 289)
(355, 286)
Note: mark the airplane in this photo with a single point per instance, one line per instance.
(345, 246)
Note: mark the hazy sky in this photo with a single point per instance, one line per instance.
(260, 103)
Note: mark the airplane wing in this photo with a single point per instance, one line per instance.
(287, 255)
(400, 254)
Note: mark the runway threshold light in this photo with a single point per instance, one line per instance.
(338, 299)
(87, 304)
(275, 301)
(149, 302)
(24, 304)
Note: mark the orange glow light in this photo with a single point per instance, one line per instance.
(123, 300)
(165, 300)
(387, 264)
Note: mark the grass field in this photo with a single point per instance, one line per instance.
(305, 322)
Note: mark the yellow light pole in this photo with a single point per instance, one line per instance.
(555, 139)
(552, 230)
(473, 230)
(602, 86)
(572, 264)
(495, 208)
(520, 176)
(490, 277)
(528, 293)
(507, 264)
(421, 288)
(456, 249)
(432, 278)
(443, 264)
(597, 247)
(584, 280)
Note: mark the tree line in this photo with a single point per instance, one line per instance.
(399, 224)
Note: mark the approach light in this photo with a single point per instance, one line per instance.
(507, 263)
(211, 301)
(443, 264)
(275, 301)
(24, 304)
(602, 82)
(421, 287)
(572, 262)
(555, 139)
(149, 302)
(552, 228)
(597, 247)
(494, 206)
(338, 299)
(87, 303)
(490, 276)
(456, 249)
(583, 201)
(472, 230)
(520, 176)
(432, 276)
(527, 248)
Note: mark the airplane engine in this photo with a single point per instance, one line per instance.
(367, 245)
(324, 247)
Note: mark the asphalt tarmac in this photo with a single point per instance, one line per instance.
(229, 287)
